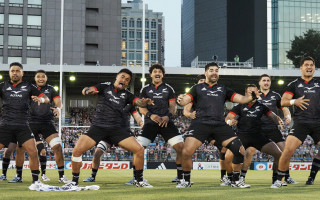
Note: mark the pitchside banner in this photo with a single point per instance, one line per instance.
(206, 165)
(293, 166)
(85, 165)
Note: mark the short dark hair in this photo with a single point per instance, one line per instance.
(249, 85)
(127, 71)
(16, 64)
(264, 75)
(201, 76)
(41, 71)
(157, 66)
(306, 58)
(212, 64)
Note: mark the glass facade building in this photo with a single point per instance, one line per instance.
(287, 19)
(131, 35)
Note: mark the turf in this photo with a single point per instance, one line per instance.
(206, 185)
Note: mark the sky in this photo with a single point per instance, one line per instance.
(171, 10)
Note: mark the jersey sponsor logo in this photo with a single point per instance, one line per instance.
(203, 89)
(109, 92)
(214, 93)
(253, 113)
(309, 90)
(9, 88)
(150, 91)
(16, 94)
(158, 96)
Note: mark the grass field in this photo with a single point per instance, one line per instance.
(206, 185)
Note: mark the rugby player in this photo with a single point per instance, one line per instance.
(209, 122)
(158, 117)
(249, 129)
(16, 95)
(107, 124)
(304, 94)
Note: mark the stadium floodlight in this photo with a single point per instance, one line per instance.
(280, 82)
(56, 88)
(1, 77)
(187, 89)
(143, 80)
(72, 78)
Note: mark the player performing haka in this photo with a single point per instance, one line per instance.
(16, 96)
(304, 94)
(209, 98)
(107, 124)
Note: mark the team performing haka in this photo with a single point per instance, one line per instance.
(209, 98)
(107, 125)
(16, 96)
(204, 104)
(304, 94)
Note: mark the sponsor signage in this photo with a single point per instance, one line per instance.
(103, 165)
(161, 165)
(299, 166)
(206, 165)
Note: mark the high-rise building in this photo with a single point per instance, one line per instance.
(30, 32)
(131, 33)
(226, 28)
(287, 19)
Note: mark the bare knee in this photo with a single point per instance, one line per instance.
(57, 148)
(187, 152)
(178, 147)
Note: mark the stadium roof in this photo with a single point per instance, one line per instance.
(178, 77)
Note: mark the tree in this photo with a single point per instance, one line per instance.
(306, 45)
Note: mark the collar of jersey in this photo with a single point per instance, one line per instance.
(14, 85)
(266, 94)
(306, 82)
(210, 86)
(250, 106)
(156, 87)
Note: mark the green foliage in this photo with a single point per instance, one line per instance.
(306, 45)
(206, 186)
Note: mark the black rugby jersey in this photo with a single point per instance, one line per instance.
(161, 95)
(273, 101)
(16, 100)
(43, 113)
(249, 120)
(111, 102)
(127, 112)
(311, 90)
(210, 101)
